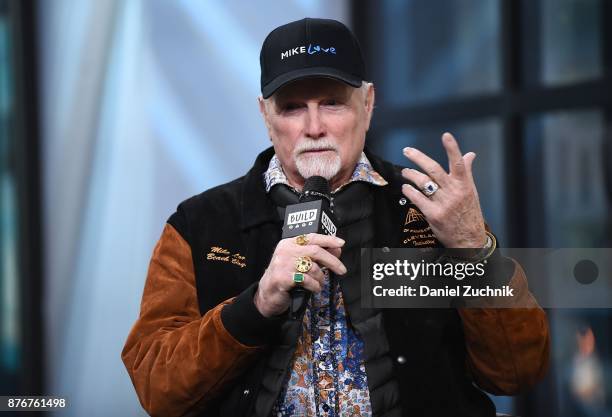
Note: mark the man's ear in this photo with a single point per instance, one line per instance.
(369, 103)
(264, 113)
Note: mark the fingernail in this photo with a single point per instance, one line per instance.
(343, 270)
(407, 150)
(342, 241)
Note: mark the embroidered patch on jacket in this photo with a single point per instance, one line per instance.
(217, 253)
(417, 232)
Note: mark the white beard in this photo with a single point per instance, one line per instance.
(326, 165)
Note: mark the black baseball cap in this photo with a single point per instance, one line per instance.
(310, 48)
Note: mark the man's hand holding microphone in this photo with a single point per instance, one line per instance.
(273, 297)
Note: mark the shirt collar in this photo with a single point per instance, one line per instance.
(363, 172)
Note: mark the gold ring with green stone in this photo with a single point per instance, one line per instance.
(298, 279)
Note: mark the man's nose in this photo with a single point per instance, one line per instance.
(314, 125)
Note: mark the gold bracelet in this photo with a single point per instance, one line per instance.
(488, 248)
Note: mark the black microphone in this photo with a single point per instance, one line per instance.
(312, 214)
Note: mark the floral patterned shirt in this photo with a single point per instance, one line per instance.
(327, 376)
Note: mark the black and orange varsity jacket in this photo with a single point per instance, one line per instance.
(198, 345)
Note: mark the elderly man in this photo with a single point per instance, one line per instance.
(213, 337)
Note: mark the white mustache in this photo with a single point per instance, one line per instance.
(318, 145)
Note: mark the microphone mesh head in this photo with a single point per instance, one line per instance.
(315, 187)
(318, 184)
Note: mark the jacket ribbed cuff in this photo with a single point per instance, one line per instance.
(246, 324)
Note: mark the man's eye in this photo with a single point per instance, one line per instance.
(290, 107)
(331, 102)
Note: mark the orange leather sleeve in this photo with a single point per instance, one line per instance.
(178, 359)
(508, 348)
